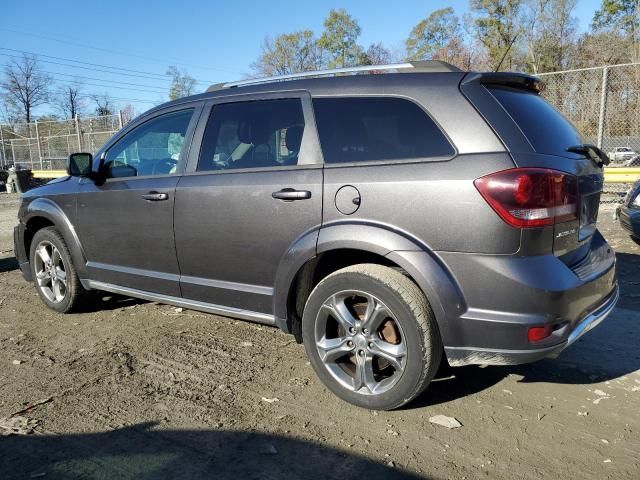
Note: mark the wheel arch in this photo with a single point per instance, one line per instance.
(346, 244)
(44, 212)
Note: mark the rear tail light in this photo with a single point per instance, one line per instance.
(531, 197)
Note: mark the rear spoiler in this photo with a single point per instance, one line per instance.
(506, 79)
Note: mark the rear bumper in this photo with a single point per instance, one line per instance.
(20, 252)
(504, 296)
(467, 356)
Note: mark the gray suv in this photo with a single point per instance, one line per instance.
(389, 221)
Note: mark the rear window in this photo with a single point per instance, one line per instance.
(545, 128)
(368, 128)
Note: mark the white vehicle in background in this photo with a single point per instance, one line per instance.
(633, 161)
(621, 154)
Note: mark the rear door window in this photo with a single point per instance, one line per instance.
(377, 128)
(546, 129)
(256, 134)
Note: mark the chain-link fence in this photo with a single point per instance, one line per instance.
(46, 145)
(604, 104)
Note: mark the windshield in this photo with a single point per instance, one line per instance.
(546, 129)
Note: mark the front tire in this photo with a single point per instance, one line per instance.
(54, 275)
(371, 336)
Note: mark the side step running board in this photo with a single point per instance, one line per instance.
(183, 302)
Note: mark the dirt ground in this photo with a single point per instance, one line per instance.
(133, 389)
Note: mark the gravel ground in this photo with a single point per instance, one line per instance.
(132, 389)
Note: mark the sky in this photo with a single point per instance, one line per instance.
(213, 40)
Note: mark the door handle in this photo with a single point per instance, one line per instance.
(155, 196)
(291, 194)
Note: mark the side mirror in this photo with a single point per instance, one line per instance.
(79, 164)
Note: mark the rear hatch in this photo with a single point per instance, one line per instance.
(538, 136)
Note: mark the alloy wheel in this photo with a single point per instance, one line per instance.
(51, 274)
(360, 342)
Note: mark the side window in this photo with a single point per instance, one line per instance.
(376, 128)
(153, 148)
(264, 133)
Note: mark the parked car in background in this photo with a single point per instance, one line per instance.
(628, 212)
(633, 162)
(388, 221)
(621, 154)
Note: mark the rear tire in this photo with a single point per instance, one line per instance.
(371, 336)
(54, 275)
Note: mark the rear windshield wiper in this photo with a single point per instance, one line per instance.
(591, 151)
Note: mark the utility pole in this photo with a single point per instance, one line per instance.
(39, 148)
(78, 133)
(4, 154)
(603, 105)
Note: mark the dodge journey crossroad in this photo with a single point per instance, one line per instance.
(391, 218)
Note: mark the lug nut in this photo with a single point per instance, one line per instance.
(352, 330)
(365, 331)
(361, 352)
(370, 345)
(349, 344)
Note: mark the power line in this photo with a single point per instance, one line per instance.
(148, 88)
(84, 68)
(121, 88)
(121, 99)
(160, 89)
(79, 61)
(77, 44)
(112, 70)
(147, 75)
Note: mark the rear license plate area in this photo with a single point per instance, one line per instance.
(589, 206)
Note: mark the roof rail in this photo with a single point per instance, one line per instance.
(416, 66)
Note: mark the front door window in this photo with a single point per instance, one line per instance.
(153, 148)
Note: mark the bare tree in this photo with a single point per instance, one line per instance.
(104, 104)
(182, 84)
(621, 16)
(376, 54)
(128, 113)
(25, 86)
(595, 49)
(69, 100)
(444, 36)
(8, 113)
(550, 31)
(288, 53)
